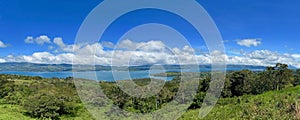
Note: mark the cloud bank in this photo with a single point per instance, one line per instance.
(128, 52)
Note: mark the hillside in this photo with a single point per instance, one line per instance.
(280, 105)
(283, 104)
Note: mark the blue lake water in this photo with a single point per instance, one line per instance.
(107, 75)
(93, 75)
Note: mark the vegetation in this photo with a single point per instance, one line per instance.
(35, 97)
(272, 93)
(281, 105)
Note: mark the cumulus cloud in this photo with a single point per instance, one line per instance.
(59, 42)
(127, 44)
(188, 49)
(296, 56)
(41, 40)
(266, 57)
(3, 45)
(2, 60)
(50, 47)
(62, 47)
(262, 54)
(249, 42)
(151, 52)
(42, 57)
(107, 44)
(270, 58)
(29, 39)
(150, 46)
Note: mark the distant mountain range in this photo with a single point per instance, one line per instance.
(33, 67)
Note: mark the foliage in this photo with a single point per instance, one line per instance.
(283, 104)
(56, 98)
(296, 78)
(39, 97)
(52, 106)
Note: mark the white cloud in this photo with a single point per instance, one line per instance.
(50, 47)
(127, 44)
(41, 40)
(3, 45)
(266, 57)
(2, 60)
(151, 52)
(249, 42)
(262, 54)
(188, 49)
(42, 57)
(29, 39)
(59, 42)
(62, 47)
(270, 58)
(107, 44)
(149, 46)
(296, 56)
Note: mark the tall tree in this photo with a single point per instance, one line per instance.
(240, 82)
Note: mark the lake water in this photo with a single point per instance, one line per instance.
(94, 75)
(106, 75)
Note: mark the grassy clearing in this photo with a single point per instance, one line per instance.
(279, 105)
(15, 112)
(12, 112)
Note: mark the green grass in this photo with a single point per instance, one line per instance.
(82, 114)
(12, 112)
(15, 112)
(270, 105)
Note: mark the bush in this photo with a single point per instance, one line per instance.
(49, 106)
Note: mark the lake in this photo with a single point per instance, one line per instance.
(94, 75)
(109, 75)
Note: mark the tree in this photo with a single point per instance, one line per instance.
(43, 106)
(282, 76)
(51, 104)
(274, 78)
(240, 82)
(4, 88)
(296, 78)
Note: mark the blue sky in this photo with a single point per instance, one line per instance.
(247, 26)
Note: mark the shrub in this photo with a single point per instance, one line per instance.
(49, 106)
